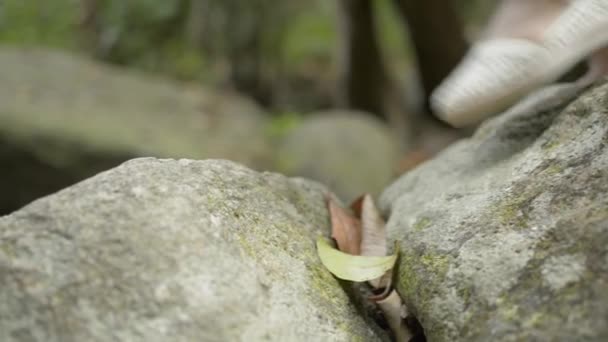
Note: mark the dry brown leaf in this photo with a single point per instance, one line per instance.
(373, 243)
(373, 232)
(357, 206)
(345, 228)
(387, 282)
(395, 312)
(365, 235)
(373, 236)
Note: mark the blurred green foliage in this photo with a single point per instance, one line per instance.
(132, 29)
(311, 33)
(282, 123)
(39, 22)
(286, 46)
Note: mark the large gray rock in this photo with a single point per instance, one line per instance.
(64, 118)
(351, 152)
(504, 237)
(165, 250)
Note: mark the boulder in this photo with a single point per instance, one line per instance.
(166, 250)
(351, 152)
(64, 118)
(504, 236)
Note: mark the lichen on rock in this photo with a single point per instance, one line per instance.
(158, 250)
(504, 236)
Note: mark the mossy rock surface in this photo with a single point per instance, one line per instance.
(504, 236)
(64, 118)
(159, 250)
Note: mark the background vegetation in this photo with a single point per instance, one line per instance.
(282, 53)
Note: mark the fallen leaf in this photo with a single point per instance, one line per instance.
(373, 236)
(395, 312)
(353, 267)
(373, 233)
(364, 237)
(357, 205)
(387, 285)
(345, 228)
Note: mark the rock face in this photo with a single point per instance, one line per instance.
(352, 152)
(64, 118)
(159, 250)
(504, 237)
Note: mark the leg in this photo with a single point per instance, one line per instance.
(437, 36)
(363, 78)
(525, 19)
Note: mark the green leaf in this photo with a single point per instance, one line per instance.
(353, 267)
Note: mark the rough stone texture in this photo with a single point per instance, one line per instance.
(351, 152)
(504, 237)
(165, 250)
(64, 118)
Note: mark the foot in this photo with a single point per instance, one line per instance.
(527, 44)
(523, 19)
(598, 67)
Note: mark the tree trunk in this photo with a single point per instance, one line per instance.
(437, 36)
(363, 79)
(89, 24)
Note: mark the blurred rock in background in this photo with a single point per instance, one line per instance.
(352, 152)
(219, 79)
(64, 118)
